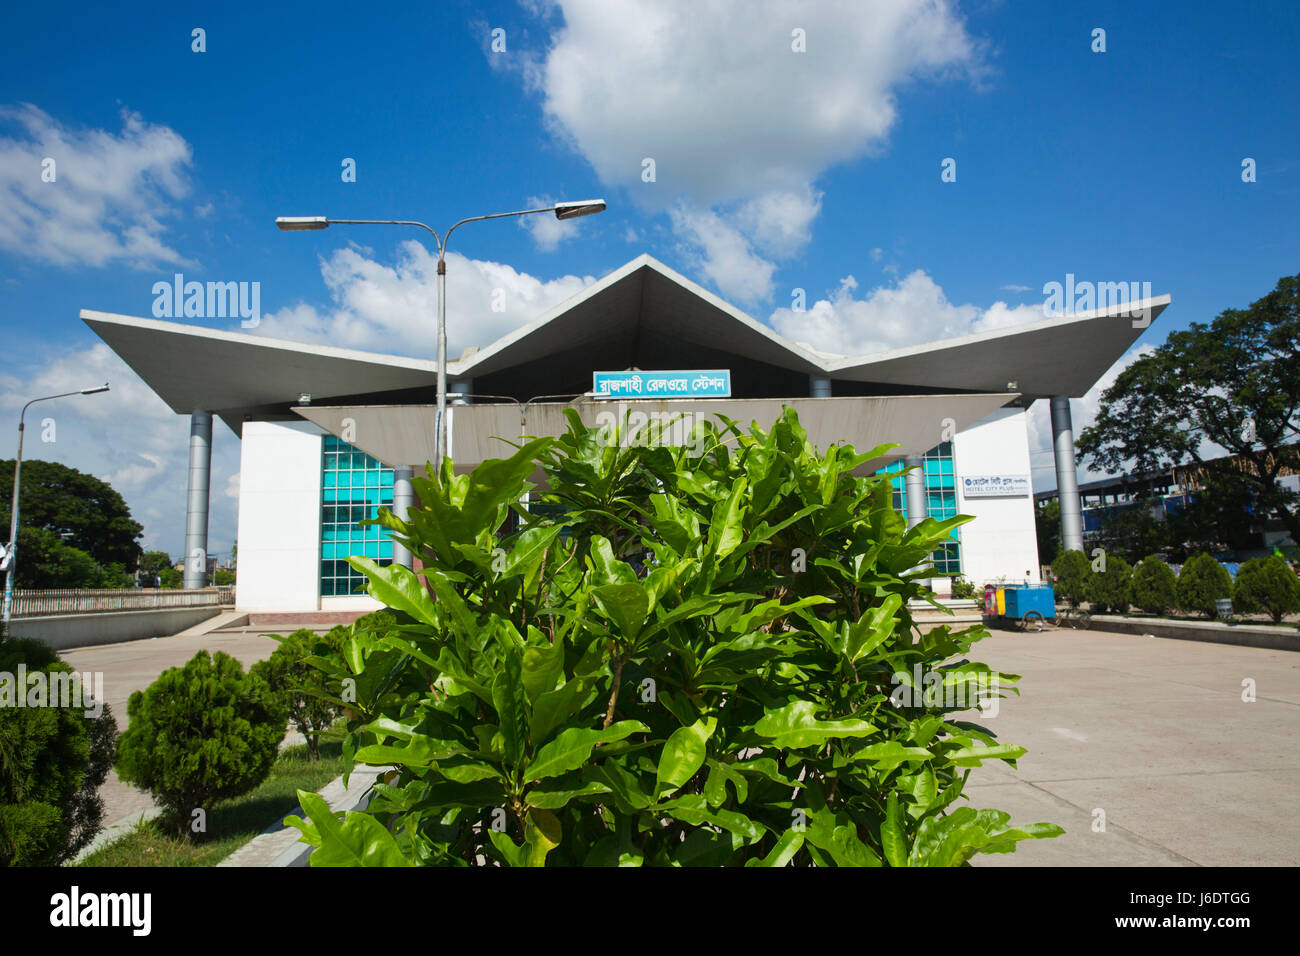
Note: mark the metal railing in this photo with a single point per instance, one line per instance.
(36, 603)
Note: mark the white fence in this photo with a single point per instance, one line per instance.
(32, 603)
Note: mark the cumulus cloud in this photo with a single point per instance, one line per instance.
(391, 308)
(109, 195)
(125, 436)
(739, 125)
(912, 311)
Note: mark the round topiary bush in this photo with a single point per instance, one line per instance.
(303, 690)
(53, 760)
(1071, 570)
(201, 733)
(1268, 585)
(1153, 586)
(1109, 589)
(1202, 582)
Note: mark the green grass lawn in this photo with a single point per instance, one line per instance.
(230, 824)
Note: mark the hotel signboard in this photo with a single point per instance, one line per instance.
(995, 486)
(711, 383)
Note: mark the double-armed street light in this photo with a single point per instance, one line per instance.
(10, 559)
(563, 210)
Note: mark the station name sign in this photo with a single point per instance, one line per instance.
(711, 383)
(996, 486)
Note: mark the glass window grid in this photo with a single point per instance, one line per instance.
(353, 486)
(941, 499)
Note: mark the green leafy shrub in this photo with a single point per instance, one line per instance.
(1268, 585)
(1109, 589)
(53, 760)
(962, 588)
(1202, 581)
(303, 690)
(695, 656)
(1153, 586)
(1071, 570)
(201, 733)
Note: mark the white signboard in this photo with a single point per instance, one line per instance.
(995, 486)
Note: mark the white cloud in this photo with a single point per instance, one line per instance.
(724, 254)
(1015, 288)
(386, 308)
(125, 436)
(109, 196)
(912, 311)
(738, 124)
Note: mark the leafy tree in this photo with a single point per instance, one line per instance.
(1202, 581)
(47, 561)
(1134, 531)
(201, 733)
(223, 577)
(152, 565)
(1047, 526)
(1153, 586)
(684, 656)
(1234, 384)
(53, 760)
(1269, 585)
(1071, 571)
(61, 499)
(171, 578)
(1109, 588)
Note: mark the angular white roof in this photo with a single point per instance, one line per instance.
(642, 315)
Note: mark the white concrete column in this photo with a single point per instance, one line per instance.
(403, 499)
(915, 482)
(196, 509)
(1067, 479)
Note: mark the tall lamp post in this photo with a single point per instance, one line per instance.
(563, 210)
(11, 553)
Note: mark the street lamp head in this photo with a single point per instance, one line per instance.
(94, 389)
(300, 223)
(585, 207)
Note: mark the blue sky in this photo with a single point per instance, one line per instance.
(774, 171)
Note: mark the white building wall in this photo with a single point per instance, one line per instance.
(1001, 542)
(279, 517)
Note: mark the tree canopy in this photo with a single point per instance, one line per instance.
(60, 499)
(1231, 385)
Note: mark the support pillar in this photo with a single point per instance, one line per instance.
(460, 390)
(819, 386)
(403, 499)
(1067, 479)
(915, 483)
(196, 509)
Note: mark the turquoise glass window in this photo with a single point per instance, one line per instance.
(353, 487)
(940, 499)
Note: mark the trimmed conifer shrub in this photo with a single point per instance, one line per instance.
(53, 760)
(1071, 570)
(1268, 585)
(201, 733)
(1153, 586)
(1203, 581)
(1109, 589)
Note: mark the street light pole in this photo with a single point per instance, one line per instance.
(11, 554)
(563, 210)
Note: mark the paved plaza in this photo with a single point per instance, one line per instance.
(1153, 732)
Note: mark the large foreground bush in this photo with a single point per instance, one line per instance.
(1202, 581)
(675, 659)
(1153, 586)
(53, 760)
(1268, 585)
(201, 733)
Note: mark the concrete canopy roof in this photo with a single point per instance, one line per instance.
(1065, 355)
(233, 374)
(642, 315)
